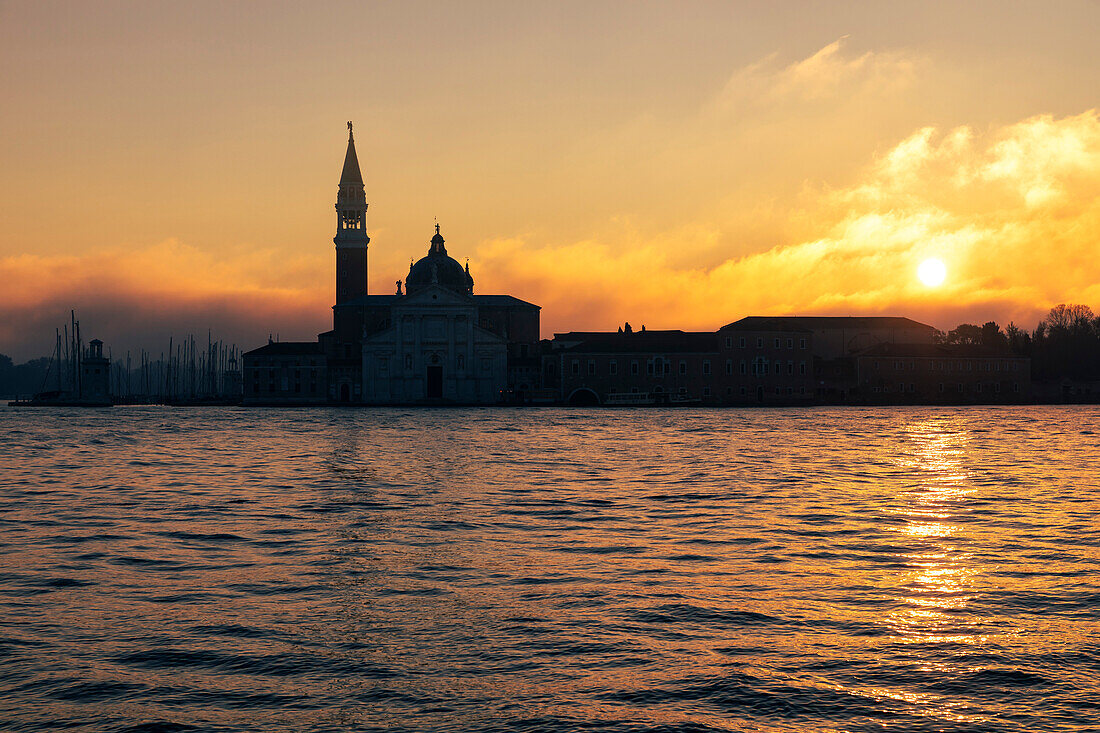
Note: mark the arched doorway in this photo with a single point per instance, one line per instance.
(345, 393)
(583, 397)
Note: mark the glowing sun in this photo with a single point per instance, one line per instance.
(932, 272)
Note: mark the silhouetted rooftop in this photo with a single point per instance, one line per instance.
(833, 323)
(287, 348)
(491, 301)
(641, 341)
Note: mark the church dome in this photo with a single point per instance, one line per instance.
(437, 268)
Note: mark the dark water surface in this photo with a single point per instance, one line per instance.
(910, 569)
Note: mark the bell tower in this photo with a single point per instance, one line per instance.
(351, 229)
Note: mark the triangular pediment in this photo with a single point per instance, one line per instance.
(435, 295)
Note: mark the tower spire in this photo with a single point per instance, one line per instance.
(351, 172)
(351, 228)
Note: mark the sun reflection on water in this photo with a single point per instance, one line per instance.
(934, 595)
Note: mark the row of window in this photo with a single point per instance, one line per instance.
(960, 387)
(958, 365)
(656, 367)
(274, 363)
(779, 391)
(286, 387)
(742, 342)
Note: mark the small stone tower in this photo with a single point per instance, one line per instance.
(95, 374)
(351, 229)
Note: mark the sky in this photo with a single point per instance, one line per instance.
(172, 167)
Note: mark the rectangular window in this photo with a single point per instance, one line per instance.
(649, 368)
(790, 343)
(576, 366)
(741, 342)
(683, 367)
(802, 368)
(706, 366)
(706, 391)
(743, 367)
(802, 343)
(729, 367)
(790, 367)
(591, 367)
(759, 343)
(777, 342)
(978, 387)
(941, 387)
(633, 368)
(729, 342)
(613, 367)
(1015, 386)
(960, 387)
(901, 386)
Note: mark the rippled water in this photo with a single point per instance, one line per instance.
(925, 569)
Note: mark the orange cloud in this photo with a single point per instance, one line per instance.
(136, 297)
(1015, 214)
(814, 186)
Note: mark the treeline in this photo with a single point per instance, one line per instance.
(23, 379)
(1064, 345)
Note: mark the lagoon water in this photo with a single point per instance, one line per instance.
(910, 569)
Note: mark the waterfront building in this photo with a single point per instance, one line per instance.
(633, 367)
(433, 341)
(767, 361)
(938, 374)
(786, 360)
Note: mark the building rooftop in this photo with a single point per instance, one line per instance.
(287, 348)
(820, 323)
(489, 301)
(640, 341)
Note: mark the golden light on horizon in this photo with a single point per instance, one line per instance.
(932, 272)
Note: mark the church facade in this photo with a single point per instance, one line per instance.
(432, 342)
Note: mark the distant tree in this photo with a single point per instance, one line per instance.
(1019, 341)
(1066, 344)
(965, 334)
(992, 337)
